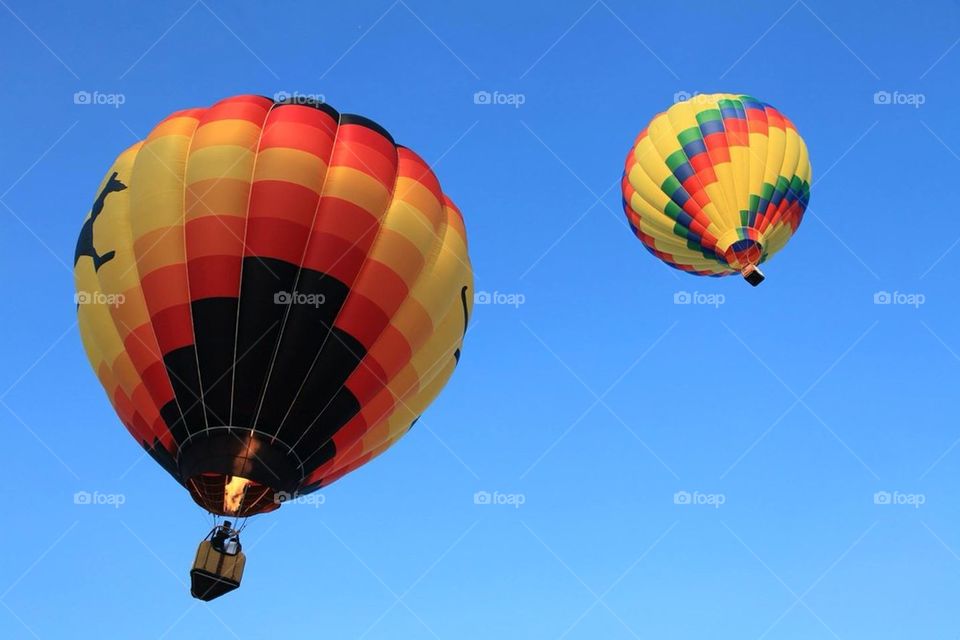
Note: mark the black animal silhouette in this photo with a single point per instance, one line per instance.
(85, 241)
(466, 320)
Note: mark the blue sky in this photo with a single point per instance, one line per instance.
(595, 401)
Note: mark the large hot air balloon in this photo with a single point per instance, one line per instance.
(717, 184)
(271, 294)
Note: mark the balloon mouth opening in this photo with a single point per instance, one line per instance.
(237, 472)
(742, 253)
(218, 493)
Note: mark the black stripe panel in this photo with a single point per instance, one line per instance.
(306, 334)
(214, 322)
(182, 368)
(261, 317)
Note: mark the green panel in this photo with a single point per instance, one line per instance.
(676, 159)
(689, 135)
(670, 186)
(709, 115)
(672, 210)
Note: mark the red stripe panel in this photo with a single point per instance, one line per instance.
(382, 284)
(196, 113)
(363, 319)
(342, 233)
(214, 277)
(775, 119)
(392, 353)
(214, 247)
(249, 108)
(155, 378)
(300, 127)
(275, 238)
(366, 381)
(163, 434)
(148, 363)
(353, 466)
(174, 328)
(717, 148)
(137, 427)
(361, 135)
(269, 200)
(410, 165)
(214, 235)
(736, 131)
(367, 160)
(275, 198)
(757, 121)
(703, 166)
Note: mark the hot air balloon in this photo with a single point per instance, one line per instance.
(717, 184)
(271, 293)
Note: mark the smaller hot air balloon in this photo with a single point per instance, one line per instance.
(717, 184)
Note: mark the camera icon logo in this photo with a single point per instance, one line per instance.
(682, 297)
(682, 96)
(681, 497)
(281, 96)
(882, 497)
(282, 297)
(281, 496)
(82, 97)
(481, 297)
(882, 97)
(882, 297)
(82, 497)
(482, 497)
(482, 97)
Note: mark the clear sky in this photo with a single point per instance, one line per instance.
(786, 408)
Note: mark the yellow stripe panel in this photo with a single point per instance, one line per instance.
(242, 134)
(102, 337)
(357, 188)
(416, 386)
(291, 165)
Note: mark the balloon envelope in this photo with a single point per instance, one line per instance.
(271, 294)
(716, 184)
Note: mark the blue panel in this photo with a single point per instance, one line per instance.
(711, 126)
(683, 172)
(694, 148)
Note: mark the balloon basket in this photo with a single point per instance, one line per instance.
(752, 274)
(215, 573)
